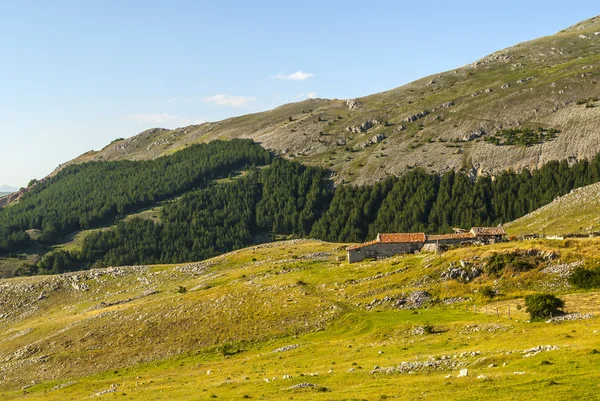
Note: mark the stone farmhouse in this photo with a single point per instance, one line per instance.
(386, 245)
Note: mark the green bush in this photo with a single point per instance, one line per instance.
(543, 306)
(428, 328)
(488, 292)
(585, 278)
(515, 261)
(229, 349)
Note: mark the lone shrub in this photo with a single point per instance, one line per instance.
(229, 349)
(543, 306)
(488, 292)
(428, 328)
(585, 278)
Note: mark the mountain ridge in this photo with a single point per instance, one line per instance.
(439, 122)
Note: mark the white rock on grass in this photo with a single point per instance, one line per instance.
(463, 373)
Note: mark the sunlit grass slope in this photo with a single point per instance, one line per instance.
(257, 322)
(575, 213)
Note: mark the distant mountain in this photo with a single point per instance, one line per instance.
(7, 189)
(520, 107)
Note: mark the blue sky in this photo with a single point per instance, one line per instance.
(75, 75)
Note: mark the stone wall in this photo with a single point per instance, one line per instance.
(452, 241)
(382, 250)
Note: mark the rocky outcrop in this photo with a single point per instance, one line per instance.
(352, 104)
(471, 136)
(376, 139)
(465, 273)
(364, 127)
(416, 117)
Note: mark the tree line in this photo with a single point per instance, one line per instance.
(87, 195)
(285, 198)
(289, 198)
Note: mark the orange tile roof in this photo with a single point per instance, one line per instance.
(401, 237)
(440, 237)
(488, 231)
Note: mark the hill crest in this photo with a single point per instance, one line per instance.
(445, 121)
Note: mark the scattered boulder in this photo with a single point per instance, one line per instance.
(536, 350)
(563, 269)
(302, 385)
(522, 81)
(463, 373)
(287, 348)
(454, 300)
(414, 300)
(112, 389)
(465, 273)
(570, 316)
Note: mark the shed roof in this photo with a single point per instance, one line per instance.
(440, 237)
(484, 231)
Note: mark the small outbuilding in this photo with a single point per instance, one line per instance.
(489, 235)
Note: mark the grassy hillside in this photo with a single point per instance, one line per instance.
(440, 122)
(259, 322)
(575, 213)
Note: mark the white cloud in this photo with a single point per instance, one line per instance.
(309, 95)
(295, 76)
(226, 100)
(164, 119)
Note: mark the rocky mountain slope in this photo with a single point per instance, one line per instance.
(294, 320)
(459, 119)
